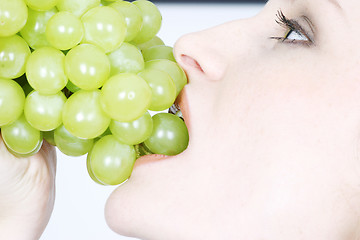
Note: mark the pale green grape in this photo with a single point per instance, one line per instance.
(134, 132)
(34, 30)
(104, 27)
(151, 21)
(83, 116)
(14, 53)
(64, 30)
(163, 89)
(72, 87)
(141, 150)
(127, 58)
(125, 97)
(13, 16)
(158, 52)
(19, 155)
(21, 80)
(155, 41)
(45, 70)
(44, 112)
(132, 16)
(78, 7)
(12, 99)
(27, 89)
(170, 135)
(90, 171)
(41, 5)
(173, 69)
(87, 66)
(71, 145)
(49, 137)
(112, 161)
(107, 132)
(21, 137)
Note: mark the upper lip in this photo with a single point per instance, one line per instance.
(182, 103)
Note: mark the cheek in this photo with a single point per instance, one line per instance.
(275, 102)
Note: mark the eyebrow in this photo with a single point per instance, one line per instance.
(336, 4)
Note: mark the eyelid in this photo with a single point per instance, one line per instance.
(294, 25)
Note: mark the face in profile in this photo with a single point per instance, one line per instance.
(273, 111)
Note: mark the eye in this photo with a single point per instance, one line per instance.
(296, 33)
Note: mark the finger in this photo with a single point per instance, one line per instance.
(48, 153)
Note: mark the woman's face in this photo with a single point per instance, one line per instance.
(274, 133)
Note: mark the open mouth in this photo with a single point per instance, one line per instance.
(175, 109)
(180, 109)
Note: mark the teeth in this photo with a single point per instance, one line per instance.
(175, 109)
(179, 114)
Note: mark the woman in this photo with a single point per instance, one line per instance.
(273, 109)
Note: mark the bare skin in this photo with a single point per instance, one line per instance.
(274, 139)
(27, 190)
(274, 134)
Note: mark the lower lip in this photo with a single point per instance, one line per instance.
(182, 102)
(149, 159)
(158, 157)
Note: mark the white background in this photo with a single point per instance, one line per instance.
(79, 206)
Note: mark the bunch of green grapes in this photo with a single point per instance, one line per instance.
(83, 75)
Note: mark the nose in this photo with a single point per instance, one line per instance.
(201, 53)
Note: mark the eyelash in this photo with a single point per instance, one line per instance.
(292, 26)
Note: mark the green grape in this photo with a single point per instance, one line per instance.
(173, 69)
(21, 137)
(132, 16)
(45, 70)
(134, 132)
(41, 5)
(112, 161)
(64, 30)
(72, 87)
(90, 171)
(78, 7)
(127, 58)
(87, 66)
(34, 30)
(27, 89)
(21, 80)
(170, 135)
(141, 150)
(104, 27)
(14, 52)
(159, 52)
(125, 97)
(49, 137)
(83, 116)
(13, 16)
(151, 21)
(12, 99)
(155, 41)
(19, 155)
(44, 112)
(71, 145)
(107, 132)
(163, 89)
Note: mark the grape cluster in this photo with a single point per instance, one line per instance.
(84, 75)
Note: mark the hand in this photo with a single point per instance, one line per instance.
(27, 193)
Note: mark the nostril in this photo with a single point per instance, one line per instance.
(191, 62)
